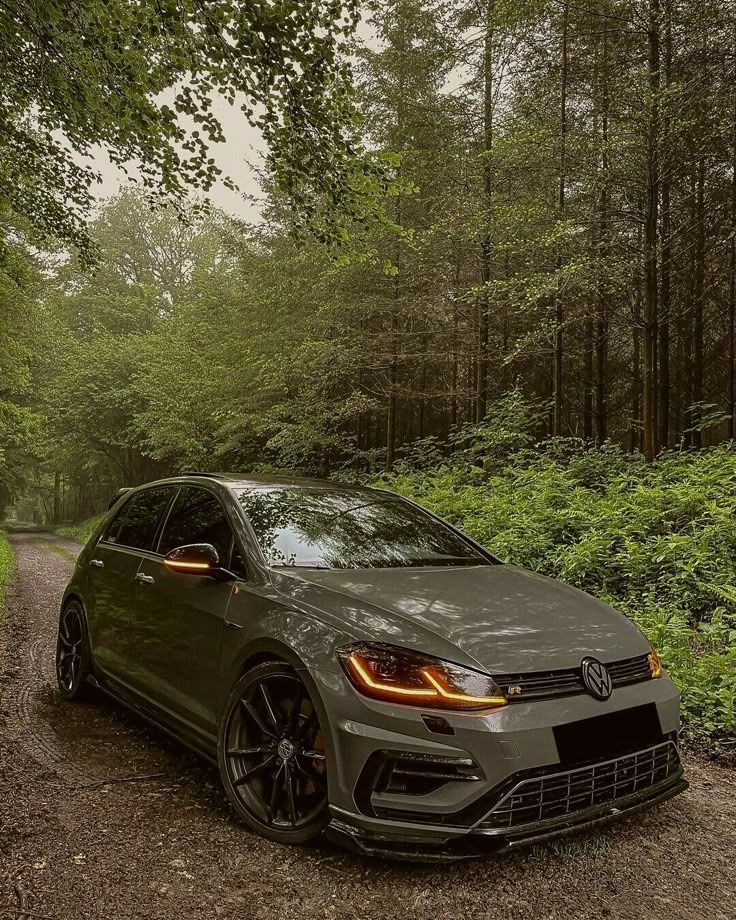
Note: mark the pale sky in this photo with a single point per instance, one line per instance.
(237, 157)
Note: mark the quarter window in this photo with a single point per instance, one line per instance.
(197, 517)
(137, 523)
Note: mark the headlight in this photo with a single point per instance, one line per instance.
(397, 675)
(655, 665)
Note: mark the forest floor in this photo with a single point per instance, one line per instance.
(103, 817)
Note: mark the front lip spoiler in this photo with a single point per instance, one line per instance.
(479, 843)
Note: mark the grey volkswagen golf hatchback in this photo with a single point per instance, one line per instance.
(356, 666)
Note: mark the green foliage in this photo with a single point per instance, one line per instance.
(7, 568)
(143, 80)
(657, 541)
(509, 426)
(19, 336)
(82, 531)
(422, 454)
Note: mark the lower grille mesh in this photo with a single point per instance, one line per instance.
(559, 794)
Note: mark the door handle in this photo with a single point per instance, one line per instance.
(145, 579)
(97, 563)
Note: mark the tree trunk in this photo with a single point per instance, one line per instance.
(57, 498)
(732, 291)
(651, 224)
(393, 373)
(455, 350)
(559, 308)
(391, 409)
(686, 321)
(698, 298)
(481, 364)
(636, 393)
(637, 383)
(601, 333)
(486, 255)
(666, 288)
(421, 421)
(588, 380)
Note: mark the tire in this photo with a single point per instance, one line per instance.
(73, 659)
(271, 755)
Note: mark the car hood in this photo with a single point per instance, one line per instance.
(501, 617)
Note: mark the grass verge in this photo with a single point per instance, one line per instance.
(59, 550)
(7, 570)
(81, 531)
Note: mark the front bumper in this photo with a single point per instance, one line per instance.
(487, 836)
(508, 777)
(475, 844)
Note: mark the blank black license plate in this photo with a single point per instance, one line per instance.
(608, 736)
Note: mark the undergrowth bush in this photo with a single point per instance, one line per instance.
(82, 531)
(657, 541)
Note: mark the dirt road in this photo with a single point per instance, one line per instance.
(102, 817)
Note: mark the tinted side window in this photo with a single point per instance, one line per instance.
(113, 528)
(138, 521)
(197, 517)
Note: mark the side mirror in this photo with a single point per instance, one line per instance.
(197, 559)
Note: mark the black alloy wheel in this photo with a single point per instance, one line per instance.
(72, 653)
(271, 755)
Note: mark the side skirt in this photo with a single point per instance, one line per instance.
(178, 730)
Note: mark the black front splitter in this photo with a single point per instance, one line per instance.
(475, 845)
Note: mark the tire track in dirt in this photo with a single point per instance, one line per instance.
(29, 713)
(73, 741)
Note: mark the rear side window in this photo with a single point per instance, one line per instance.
(197, 517)
(136, 524)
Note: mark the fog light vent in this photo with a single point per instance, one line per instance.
(403, 773)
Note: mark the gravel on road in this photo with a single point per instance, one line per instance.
(103, 817)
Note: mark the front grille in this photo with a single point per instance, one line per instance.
(630, 671)
(557, 795)
(545, 685)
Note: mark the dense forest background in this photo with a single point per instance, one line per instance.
(563, 226)
(526, 322)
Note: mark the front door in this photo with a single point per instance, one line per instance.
(111, 576)
(178, 619)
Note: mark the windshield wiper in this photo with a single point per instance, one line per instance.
(448, 561)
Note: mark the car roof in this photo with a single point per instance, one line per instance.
(248, 481)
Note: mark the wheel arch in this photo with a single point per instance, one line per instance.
(268, 649)
(73, 595)
(260, 657)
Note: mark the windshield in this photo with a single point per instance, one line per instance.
(321, 528)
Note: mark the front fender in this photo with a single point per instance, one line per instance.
(304, 643)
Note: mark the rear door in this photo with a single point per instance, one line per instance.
(178, 619)
(112, 569)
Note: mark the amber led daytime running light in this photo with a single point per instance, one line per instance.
(175, 564)
(438, 691)
(388, 688)
(463, 697)
(655, 665)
